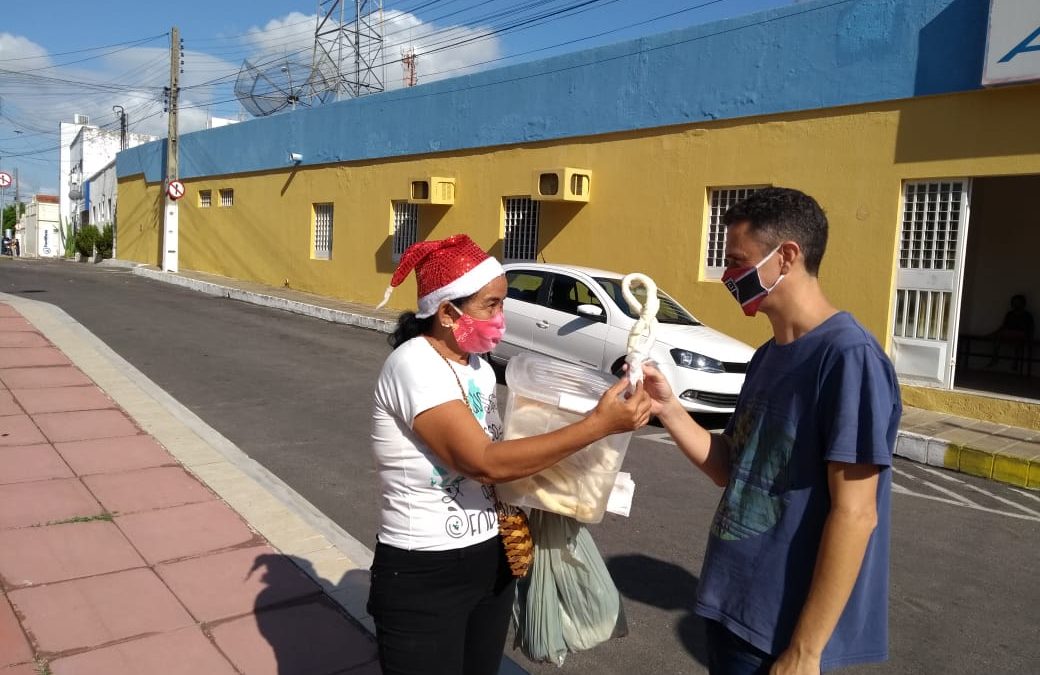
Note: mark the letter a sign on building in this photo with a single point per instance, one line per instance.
(1013, 42)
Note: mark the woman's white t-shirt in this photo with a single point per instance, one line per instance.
(427, 506)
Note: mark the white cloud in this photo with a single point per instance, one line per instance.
(20, 53)
(405, 30)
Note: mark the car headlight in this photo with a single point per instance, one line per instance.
(695, 361)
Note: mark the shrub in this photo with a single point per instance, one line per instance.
(86, 237)
(104, 241)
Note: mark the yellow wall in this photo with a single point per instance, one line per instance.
(647, 208)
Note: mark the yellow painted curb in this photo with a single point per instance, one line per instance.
(1013, 470)
(994, 466)
(1034, 476)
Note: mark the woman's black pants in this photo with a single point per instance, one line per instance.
(441, 612)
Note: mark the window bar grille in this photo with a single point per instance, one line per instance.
(720, 200)
(922, 314)
(521, 236)
(322, 230)
(406, 227)
(931, 221)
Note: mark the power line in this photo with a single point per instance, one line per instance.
(85, 49)
(90, 58)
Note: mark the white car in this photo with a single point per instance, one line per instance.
(577, 314)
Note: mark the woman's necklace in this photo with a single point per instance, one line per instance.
(462, 390)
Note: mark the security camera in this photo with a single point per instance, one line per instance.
(295, 157)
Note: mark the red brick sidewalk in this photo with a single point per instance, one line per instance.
(114, 559)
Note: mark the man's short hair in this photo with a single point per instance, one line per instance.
(778, 214)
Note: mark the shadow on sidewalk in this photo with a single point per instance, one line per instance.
(665, 585)
(306, 629)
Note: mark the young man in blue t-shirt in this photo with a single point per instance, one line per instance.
(795, 576)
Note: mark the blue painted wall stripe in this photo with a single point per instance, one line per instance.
(807, 56)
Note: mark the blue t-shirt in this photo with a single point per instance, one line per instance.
(829, 396)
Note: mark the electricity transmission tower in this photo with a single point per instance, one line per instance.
(348, 48)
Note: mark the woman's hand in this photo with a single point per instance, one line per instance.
(618, 414)
(658, 389)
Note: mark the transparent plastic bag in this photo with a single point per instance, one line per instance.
(545, 395)
(568, 603)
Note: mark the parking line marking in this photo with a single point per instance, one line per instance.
(943, 475)
(899, 489)
(1025, 494)
(985, 492)
(938, 488)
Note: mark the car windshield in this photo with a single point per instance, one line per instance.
(670, 312)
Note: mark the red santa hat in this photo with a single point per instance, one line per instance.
(446, 269)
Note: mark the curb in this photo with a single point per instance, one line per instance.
(294, 306)
(988, 464)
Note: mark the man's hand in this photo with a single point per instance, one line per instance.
(657, 387)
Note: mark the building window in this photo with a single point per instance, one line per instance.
(227, 197)
(521, 231)
(205, 199)
(322, 231)
(719, 201)
(406, 227)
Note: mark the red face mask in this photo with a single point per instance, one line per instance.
(746, 286)
(478, 336)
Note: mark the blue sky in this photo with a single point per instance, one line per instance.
(97, 55)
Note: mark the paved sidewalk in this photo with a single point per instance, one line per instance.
(994, 451)
(130, 542)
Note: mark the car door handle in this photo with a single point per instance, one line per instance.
(542, 324)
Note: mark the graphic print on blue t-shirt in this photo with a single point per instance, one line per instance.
(753, 502)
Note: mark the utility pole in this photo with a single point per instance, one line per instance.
(170, 232)
(122, 125)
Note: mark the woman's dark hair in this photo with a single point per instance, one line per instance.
(410, 326)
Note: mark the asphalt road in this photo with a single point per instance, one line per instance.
(295, 393)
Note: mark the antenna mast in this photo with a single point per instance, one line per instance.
(340, 38)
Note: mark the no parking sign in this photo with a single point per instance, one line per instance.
(175, 190)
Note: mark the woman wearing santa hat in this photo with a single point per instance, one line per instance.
(442, 588)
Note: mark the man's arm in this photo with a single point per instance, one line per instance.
(852, 519)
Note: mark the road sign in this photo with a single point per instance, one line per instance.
(5, 179)
(175, 190)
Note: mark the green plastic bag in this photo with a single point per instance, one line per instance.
(568, 602)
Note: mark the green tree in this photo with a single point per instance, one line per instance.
(11, 213)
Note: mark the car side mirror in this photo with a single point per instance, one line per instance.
(594, 312)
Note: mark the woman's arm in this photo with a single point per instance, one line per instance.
(453, 434)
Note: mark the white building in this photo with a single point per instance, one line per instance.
(85, 150)
(67, 132)
(39, 230)
(99, 196)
